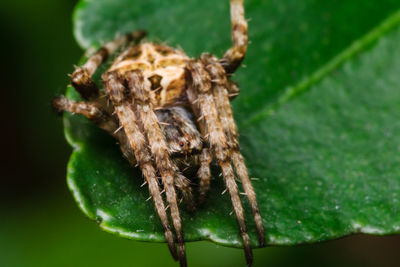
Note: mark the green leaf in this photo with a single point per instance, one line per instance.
(326, 161)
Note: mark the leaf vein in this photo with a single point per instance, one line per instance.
(305, 84)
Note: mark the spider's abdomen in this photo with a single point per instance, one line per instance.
(163, 70)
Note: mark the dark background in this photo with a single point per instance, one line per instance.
(40, 225)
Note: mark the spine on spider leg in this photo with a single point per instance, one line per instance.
(233, 90)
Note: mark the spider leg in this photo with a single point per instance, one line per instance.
(235, 55)
(221, 97)
(102, 118)
(122, 103)
(81, 78)
(200, 94)
(183, 184)
(91, 111)
(110, 124)
(233, 90)
(158, 147)
(177, 133)
(204, 174)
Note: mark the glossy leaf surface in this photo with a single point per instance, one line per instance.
(318, 117)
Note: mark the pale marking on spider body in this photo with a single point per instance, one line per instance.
(163, 69)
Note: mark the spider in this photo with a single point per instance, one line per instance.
(168, 111)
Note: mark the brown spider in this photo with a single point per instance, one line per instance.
(155, 92)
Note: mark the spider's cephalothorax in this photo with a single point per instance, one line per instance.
(163, 71)
(170, 112)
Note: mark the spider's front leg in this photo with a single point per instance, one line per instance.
(102, 118)
(202, 102)
(235, 55)
(81, 78)
(158, 147)
(122, 101)
(221, 97)
(96, 109)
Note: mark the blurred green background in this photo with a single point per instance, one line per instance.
(40, 224)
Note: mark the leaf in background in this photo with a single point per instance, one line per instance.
(327, 161)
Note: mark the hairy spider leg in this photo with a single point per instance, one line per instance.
(166, 167)
(100, 117)
(176, 119)
(221, 97)
(122, 103)
(233, 90)
(200, 94)
(235, 55)
(91, 111)
(183, 184)
(81, 78)
(204, 174)
(107, 122)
